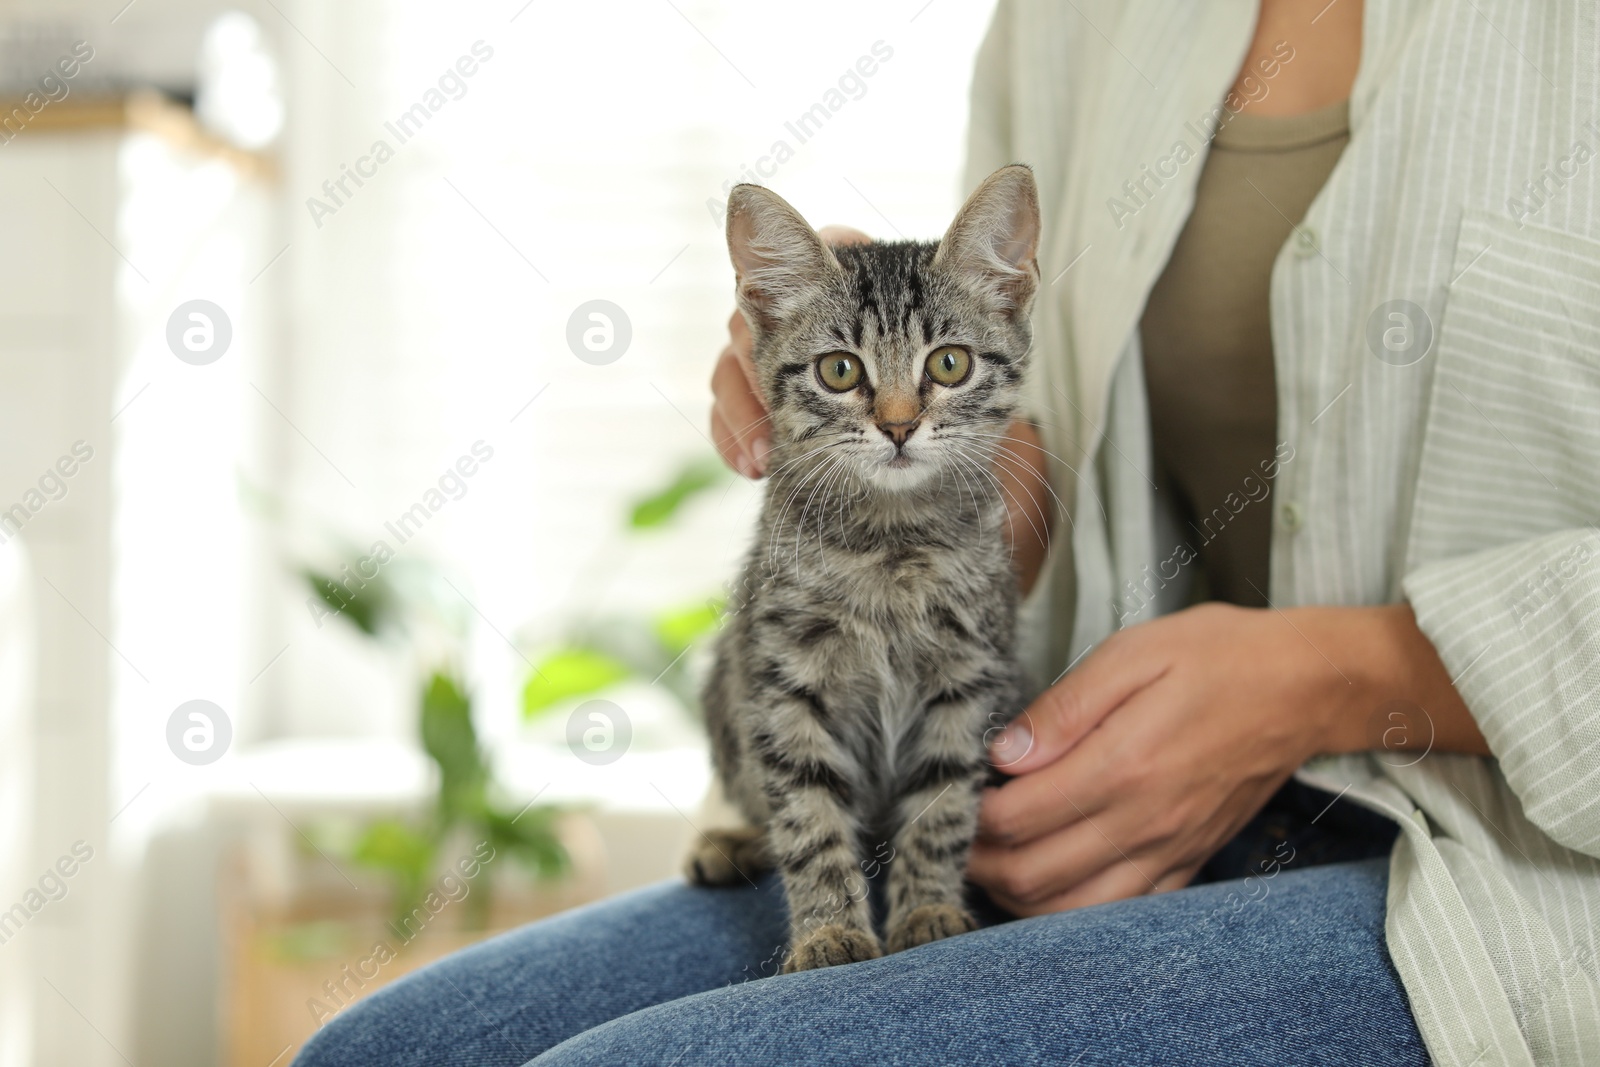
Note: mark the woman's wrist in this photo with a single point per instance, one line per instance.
(1023, 468)
(1350, 666)
(1380, 685)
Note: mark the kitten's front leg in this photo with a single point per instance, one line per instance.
(938, 809)
(812, 839)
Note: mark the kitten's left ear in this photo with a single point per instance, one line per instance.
(995, 239)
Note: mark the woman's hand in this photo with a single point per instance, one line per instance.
(1135, 768)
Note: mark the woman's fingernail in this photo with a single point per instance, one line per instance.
(1014, 742)
(760, 449)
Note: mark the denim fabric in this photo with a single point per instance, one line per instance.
(1286, 968)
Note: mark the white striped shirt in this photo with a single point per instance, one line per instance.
(1451, 458)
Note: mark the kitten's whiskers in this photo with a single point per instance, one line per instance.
(1004, 453)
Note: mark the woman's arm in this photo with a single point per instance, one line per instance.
(1023, 469)
(1167, 738)
(1388, 661)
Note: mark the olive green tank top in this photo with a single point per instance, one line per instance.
(1207, 340)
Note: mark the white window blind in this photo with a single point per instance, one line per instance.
(575, 162)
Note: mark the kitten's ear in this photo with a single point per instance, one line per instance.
(995, 239)
(777, 256)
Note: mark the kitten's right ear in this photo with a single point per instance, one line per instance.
(776, 254)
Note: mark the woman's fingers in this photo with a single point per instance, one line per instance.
(1119, 881)
(727, 446)
(738, 418)
(1044, 867)
(1052, 830)
(1097, 745)
(739, 345)
(1120, 667)
(843, 235)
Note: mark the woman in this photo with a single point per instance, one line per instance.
(1318, 378)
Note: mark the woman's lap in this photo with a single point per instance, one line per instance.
(1233, 972)
(506, 1000)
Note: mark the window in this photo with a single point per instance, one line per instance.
(455, 183)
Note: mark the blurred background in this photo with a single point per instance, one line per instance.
(359, 533)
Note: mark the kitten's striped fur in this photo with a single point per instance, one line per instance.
(870, 644)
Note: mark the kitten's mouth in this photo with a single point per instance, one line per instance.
(900, 462)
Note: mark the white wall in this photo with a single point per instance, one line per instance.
(57, 360)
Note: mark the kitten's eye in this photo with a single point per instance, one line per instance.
(949, 365)
(839, 371)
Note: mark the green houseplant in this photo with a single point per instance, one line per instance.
(398, 605)
(599, 653)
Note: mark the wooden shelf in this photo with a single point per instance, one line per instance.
(145, 111)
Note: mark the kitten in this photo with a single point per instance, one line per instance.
(870, 643)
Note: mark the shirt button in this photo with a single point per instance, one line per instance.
(1292, 516)
(1306, 242)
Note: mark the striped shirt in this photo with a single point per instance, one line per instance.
(1436, 335)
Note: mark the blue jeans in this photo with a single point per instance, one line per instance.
(1289, 968)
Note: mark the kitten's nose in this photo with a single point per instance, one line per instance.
(899, 432)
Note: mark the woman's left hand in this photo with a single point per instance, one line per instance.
(1168, 737)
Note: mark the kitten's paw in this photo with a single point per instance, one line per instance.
(727, 857)
(831, 945)
(930, 922)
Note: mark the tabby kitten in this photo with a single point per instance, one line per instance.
(870, 644)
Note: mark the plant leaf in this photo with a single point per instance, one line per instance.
(394, 846)
(315, 940)
(450, 738)
(692, 479)
(679, 629)
(530, 838)
(370, 608)
(569, 673)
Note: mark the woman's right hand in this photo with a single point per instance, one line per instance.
(738, 413)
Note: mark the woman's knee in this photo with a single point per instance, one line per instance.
(522, 992)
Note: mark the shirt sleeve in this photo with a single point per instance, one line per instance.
(1518, 627)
